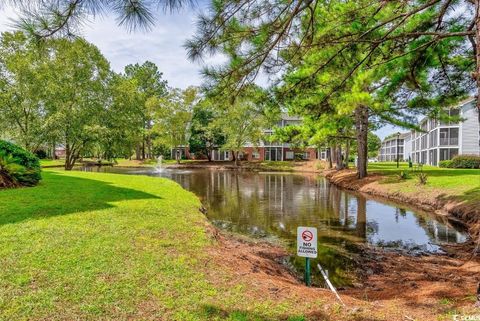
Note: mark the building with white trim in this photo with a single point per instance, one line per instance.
(444, 140)
(393, 148)
(438, 140)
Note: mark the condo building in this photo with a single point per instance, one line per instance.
(393, 148)
(277, 151)
(444, 140)
(437, 140)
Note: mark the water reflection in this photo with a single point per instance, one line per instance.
(274, 204)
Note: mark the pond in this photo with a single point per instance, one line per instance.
(272, 205)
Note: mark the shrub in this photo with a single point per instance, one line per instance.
(445, 164)
(466, 161)
(41, 154)
(27, 172)
(422, 178)
(9, 170)
(403, 175)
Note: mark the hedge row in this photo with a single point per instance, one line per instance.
(462, 161)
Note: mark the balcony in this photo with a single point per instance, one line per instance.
(453, 141)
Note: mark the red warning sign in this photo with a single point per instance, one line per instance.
(307, 236)
(307, 242)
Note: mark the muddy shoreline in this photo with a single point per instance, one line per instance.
(386, 282)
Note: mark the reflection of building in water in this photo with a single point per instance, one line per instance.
(278, 203)
(442, 233)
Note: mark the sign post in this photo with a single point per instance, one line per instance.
(307, 248)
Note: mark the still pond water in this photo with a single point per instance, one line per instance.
(272, 205)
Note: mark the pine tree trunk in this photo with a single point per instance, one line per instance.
(333, 152)
(338, 157)
(477, 79)
(477, 53)
(330, 158)
(361, 126)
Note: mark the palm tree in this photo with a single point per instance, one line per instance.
(48, 18)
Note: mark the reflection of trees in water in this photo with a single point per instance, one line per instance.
(361, 226)
(278, 203)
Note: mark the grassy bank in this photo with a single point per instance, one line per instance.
(90, 245)
(447, 183)
(456, 191)
(46, 163)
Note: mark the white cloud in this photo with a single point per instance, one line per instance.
(163, 45)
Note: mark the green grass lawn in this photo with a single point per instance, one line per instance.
(84, 246)
(52, 162)
(460, 184)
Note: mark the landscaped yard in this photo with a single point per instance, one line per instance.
(462, 184)
(90, 245)
(45, 163)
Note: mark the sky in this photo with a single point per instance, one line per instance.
(163, 45)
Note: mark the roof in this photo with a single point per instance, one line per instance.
(394, 136)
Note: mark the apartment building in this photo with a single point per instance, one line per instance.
(268, 150)
(440, 141)
(393, 147)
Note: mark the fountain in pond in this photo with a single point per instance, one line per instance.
(158, 167)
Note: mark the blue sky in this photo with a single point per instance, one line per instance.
(162, 45)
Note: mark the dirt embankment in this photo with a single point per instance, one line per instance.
(454, 209)
(390, 286)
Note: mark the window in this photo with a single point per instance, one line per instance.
(424, 141)
(255, 154)
(423, 159)
(449, 136)
(433, 157)
(452, 113)
(453, 136)
(448, 153)
(290, 155)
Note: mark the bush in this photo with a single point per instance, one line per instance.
(422, 178)
(41, 154)
(403, 175)
(445, 164)
(28, 171)
(466, 161)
